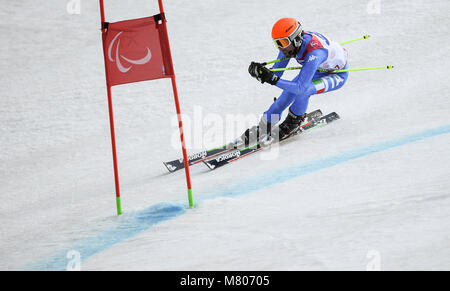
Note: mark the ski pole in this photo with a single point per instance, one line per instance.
(286, 69)
(389, 67)
(342, 43)
(275, 61)
(356, 39)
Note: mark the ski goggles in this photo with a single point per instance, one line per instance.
(296, 37)
(282, 42)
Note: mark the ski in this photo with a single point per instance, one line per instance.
(196, 158)
(178, 164)
(238, 154)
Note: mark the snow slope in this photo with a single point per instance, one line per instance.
(375, 182)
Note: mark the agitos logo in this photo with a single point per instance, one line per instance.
(123, 63)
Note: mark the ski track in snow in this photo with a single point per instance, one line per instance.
(376, 180)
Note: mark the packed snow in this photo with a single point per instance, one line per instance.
(369, 191)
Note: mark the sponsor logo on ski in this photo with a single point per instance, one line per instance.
(228, 156)
(200, 156)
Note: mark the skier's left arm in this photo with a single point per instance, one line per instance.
(303, 83)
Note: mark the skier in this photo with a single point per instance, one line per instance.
(313, 51)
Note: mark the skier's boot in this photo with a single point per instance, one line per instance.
(260, 133)
(290, 125)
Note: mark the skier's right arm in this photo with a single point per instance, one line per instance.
(304, 82)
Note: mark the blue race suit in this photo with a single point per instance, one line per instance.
(313, 53)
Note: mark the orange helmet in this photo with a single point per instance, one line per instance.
(285, 32)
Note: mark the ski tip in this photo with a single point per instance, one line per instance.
(334, 116)
(165, 165)
(210, 166)
(169, 167)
